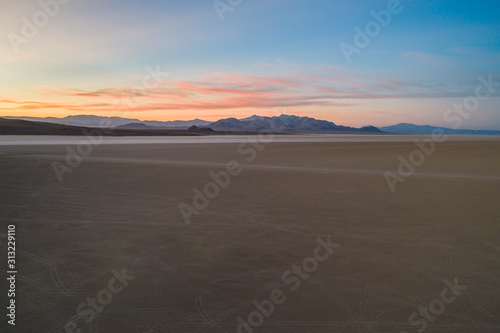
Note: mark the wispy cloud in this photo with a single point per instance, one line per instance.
(429, 58)
(465, 50)
(225, 91)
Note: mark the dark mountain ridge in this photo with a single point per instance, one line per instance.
(286, 123)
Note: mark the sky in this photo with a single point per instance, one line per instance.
(356, 63)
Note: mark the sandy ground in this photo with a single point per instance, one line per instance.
(119, 209)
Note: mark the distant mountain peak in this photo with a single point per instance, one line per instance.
(285, 123)
(253, 117)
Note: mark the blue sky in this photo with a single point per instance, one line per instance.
(265, 57)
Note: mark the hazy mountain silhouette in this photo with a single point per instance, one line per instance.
(407, 128)
(26, 127)
(97, 121)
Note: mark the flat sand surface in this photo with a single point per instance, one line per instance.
(119, 209)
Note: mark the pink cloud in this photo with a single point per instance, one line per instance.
(220, 91)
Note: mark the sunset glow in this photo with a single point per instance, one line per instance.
(264, 58)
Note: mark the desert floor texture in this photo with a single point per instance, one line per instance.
(117, 213)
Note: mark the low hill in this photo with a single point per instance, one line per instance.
(136, 126)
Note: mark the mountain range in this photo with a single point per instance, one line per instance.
(97, 121)
(282, 123)
(286, 123)
(405, 128)
(26, 127)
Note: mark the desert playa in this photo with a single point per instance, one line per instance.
(298, 233)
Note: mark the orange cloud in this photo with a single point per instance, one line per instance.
(221, 91)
